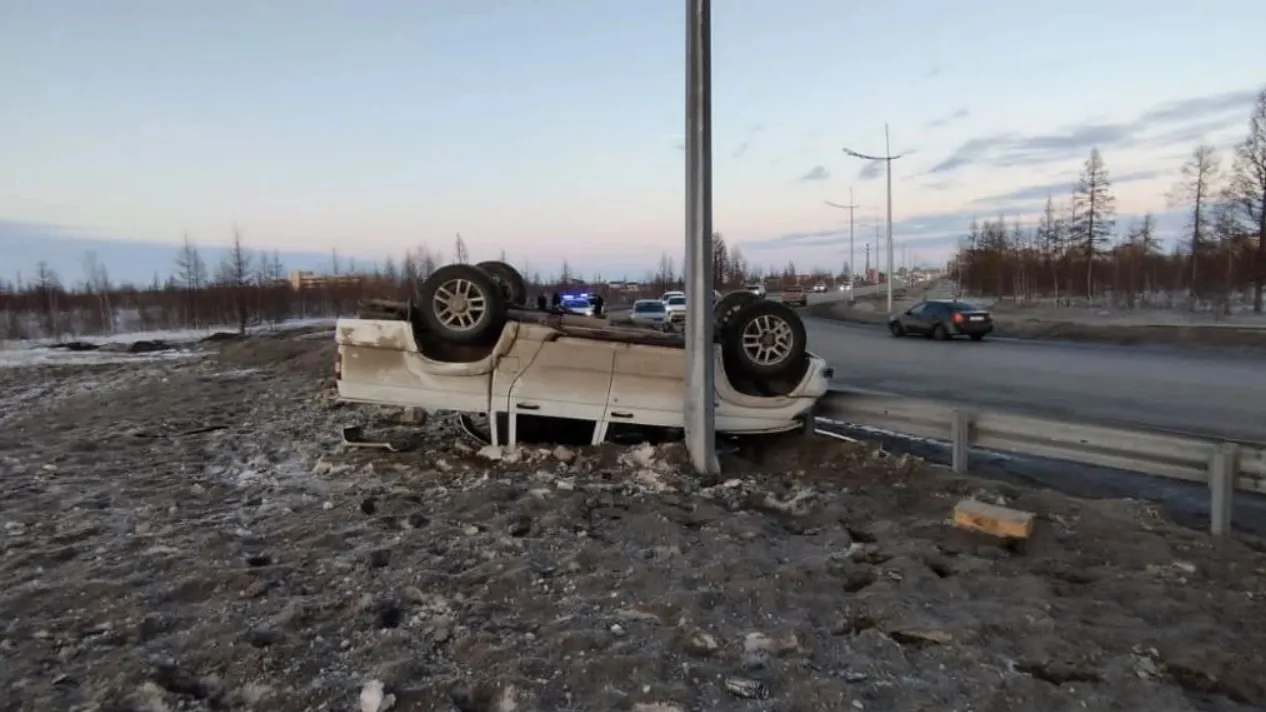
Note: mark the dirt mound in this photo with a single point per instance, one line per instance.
(265, 352)
(193, 537)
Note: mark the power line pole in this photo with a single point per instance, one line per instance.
(887, 158)
(851, 208)
(700, 386)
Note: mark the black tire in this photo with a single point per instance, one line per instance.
(728, 306)
(512, 284)
(977, 337)
(479, 326)
(896, 329)
(771, 318)
(940, 333)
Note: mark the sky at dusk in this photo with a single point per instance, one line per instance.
(552, 129)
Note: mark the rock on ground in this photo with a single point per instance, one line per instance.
(192, 536)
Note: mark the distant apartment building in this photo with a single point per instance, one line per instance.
(624, 286)
(301, 280)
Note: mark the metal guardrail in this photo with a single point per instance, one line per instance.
(1223, 465)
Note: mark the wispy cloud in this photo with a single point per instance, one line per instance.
(929, 227)
(871, 171)
(64, 248)
(933, 72)
(816, 173)
(1057, 189)
(947, 120)
(1167, 124)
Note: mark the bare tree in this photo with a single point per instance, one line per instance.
(191, 275)
(1095, 213)
(666, 276)
(720, 262)
(97, 284)
(1246, 192)
(1051, 243)
(738, 267)
(1196, 190)
(235, 276)
(48, 287)
(460, 255)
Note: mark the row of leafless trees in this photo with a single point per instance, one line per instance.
(245, 289)
(1075, 251)
(248, 288)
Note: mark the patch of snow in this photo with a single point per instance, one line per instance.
(40, 352)
(18, 358)
(168, 335)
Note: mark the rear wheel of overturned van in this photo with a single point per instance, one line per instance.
(462, 304)
(511, 281)
(728, 306)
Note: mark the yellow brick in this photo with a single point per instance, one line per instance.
(992, 519)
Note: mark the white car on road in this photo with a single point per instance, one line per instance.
(651, 313)
(675, 306)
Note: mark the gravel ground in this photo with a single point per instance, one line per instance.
(191, 535)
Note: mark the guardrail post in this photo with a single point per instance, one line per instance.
(1222, 475)
(960, 439)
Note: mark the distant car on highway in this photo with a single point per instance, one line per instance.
(819, 288)
(649, 313)
(793, 296)
(669, 295)
(675, 306)
(942, 319)
(757, 289)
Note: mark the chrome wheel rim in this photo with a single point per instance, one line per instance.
(768, 340)
(459, 304)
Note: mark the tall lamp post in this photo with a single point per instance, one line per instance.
(700, 389)
(887, 158)
(851, 208)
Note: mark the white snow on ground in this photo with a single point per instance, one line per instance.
(43, 356)
(41, 352)
(168, 335)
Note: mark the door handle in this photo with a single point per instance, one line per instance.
(528, 406)
(621, 414)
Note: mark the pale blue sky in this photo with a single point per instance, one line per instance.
(551, 128)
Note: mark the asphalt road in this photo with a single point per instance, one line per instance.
(1212, 395)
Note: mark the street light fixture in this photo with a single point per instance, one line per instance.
(851, 208)
(887, 158)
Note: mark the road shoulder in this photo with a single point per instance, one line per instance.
(1185, 336)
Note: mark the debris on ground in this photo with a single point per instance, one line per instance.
(193, 535)
(993, 519)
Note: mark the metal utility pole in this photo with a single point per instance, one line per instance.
(851, 208)
(700, 391)
(887, 158)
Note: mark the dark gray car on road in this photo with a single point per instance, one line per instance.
(942, 319)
